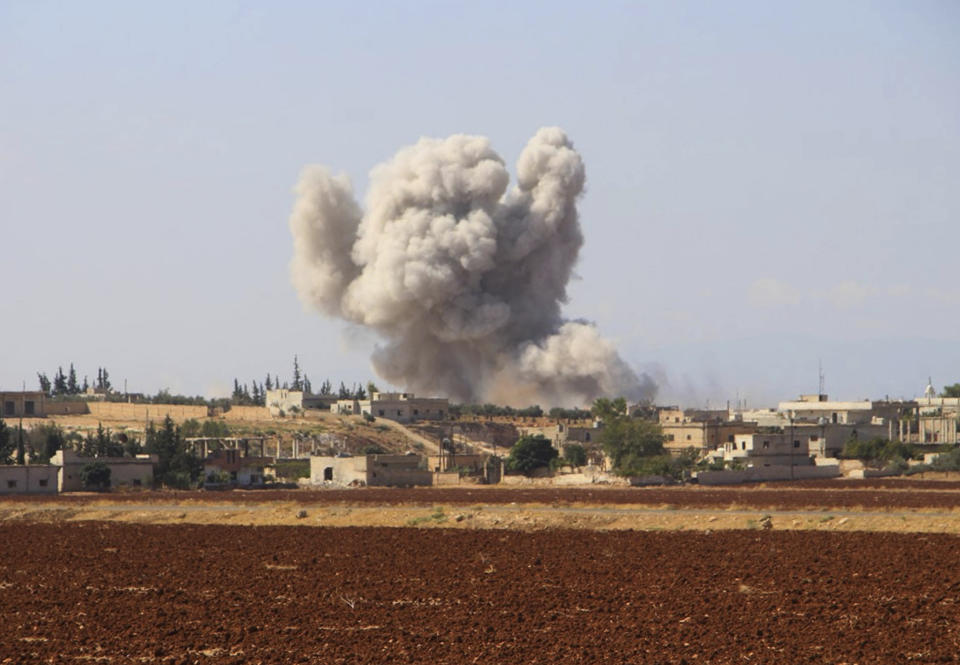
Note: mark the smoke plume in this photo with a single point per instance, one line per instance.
(462, 279)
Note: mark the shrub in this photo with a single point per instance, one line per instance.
(95, 475)
(530, 453)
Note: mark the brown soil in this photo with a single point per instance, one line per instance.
(848, 495)
(112, 593)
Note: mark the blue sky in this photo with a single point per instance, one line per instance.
(769, 184)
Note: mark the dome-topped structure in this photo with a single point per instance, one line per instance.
(930, 392)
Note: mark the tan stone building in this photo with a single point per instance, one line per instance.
(124, 471)
(22, 404)
(402, 407)
(370, 470)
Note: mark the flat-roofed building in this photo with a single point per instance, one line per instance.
(22, 404)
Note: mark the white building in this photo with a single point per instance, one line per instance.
(402, 407)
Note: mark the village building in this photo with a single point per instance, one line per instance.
(401, 407)
(370, 470)
(229, 466)
(282, 401)
(124, 471)
(703, 430)
(22, 404)
(934, 420)
(28, 479)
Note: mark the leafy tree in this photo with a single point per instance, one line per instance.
(7, 445)
(45, 441)
(877, 450)
(103, 380)
(575, 454)
(178, 466)
(530, 453)
(344, 392)
(307, 388)
(609, 408)
(951, 391)
(45, 386)
(372, 388)
(268, 383)
(628, 441)
(326, 388)
(95, 475)
(359, 392)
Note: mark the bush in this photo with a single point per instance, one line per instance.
(530, 453)
(95, 475)
(575, 454)
(878, 451)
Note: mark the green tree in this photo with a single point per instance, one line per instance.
(7, 445)
(372, 388)
(72, 386)
(177, 466)
(629, 441)
(951, 391)
(297, 377)
(344, 392)
(575, 454)
(95, 475)
(45, 441)
(45, 386)
(530, 453)
(605, 408)
(59, 382)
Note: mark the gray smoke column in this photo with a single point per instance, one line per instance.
(462, 279)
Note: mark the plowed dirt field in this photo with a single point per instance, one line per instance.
(98, 592)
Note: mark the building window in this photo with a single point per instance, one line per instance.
(8, 408)
(43, 482)
(11, 484)
(766, 444)
(381, 412)
(730, 438)
(28, 407)
(669, 437)
(137, 482)
(233, 476)
(399, 412)
(743, 445)
(416, 412)
(688, 437)
(587, 436)
(796, 444)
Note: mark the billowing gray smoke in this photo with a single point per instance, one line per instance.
(462, 279)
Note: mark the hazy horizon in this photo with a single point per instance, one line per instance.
(768, 187)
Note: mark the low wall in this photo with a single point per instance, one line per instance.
(52, 408)
(127, 411)
(442, 479)
(762, 473)
(247, 413)
(872, 473)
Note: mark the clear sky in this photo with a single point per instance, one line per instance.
(769, 184)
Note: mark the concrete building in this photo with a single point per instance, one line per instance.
(22, 404)
(704, 430)
(933, 420)
(28, 479)
(770, 448)
(401, 407)
(231, 467)
(370, 470)
(124, 471)
(288, 402)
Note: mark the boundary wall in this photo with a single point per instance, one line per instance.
(761, 473)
